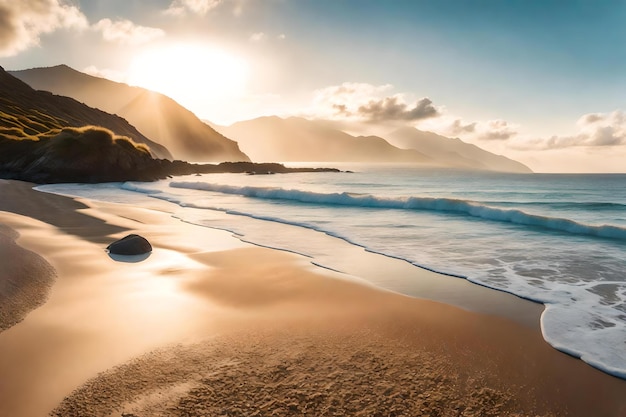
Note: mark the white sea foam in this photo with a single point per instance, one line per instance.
(470, 208)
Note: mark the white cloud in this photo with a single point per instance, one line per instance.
(597, 130)
(257, 37)
(349, 94)
(201, 7)
(126, 32)
(362, 102)
(459, 127)
(395, 108)
(282, 36)
(371, 103)
(22, 22)
(594, 130)
(496, 130)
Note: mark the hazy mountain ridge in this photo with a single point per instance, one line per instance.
(155, 115)
(453, 151)
(26, 113)
(273, 138)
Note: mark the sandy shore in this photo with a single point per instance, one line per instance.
(211, 326)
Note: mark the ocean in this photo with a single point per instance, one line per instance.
(558, 239)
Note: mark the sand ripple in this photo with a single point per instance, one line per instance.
(359, 374)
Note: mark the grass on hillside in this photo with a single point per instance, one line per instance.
(76, 145)
(90, 138)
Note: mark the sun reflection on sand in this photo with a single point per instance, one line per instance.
(100, 312)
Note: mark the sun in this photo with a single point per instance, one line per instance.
(197, 76)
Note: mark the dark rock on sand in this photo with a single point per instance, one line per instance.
(130, 245)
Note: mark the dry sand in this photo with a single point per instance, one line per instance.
(210, 326)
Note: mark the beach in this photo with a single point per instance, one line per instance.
(211, 325)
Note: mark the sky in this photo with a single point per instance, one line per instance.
(540, 81)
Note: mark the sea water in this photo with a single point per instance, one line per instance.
(556, 239)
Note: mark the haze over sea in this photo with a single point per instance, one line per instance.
(554, 238)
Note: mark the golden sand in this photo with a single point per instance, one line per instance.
(208, 326)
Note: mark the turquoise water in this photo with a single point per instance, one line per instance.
(556, 239)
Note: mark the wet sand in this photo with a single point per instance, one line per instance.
(24, 285)
(209, 325)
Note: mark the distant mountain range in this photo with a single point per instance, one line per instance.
(453, 152)
(273, 138)
(26, 113)
(265, 139)
(295, 139)
(153, 114)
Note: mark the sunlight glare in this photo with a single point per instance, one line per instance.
(194, 75)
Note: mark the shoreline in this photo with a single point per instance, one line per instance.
(23, 286)
(194, 293)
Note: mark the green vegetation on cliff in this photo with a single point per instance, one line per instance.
(26, 113)
(87, 154)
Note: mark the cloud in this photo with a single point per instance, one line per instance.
(494, 130)
(126, 32)
(394, 108)
(458, 128)
(339, 101)
(367, 102)
(201, 7)
(282, 37)
(257, 37)
(590, 118)
(594, 130)
(23, 22)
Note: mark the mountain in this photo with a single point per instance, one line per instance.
(296, 139)
(46, 138)
(155, 115)
(26, 113)
(453, 152)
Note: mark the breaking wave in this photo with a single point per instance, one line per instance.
(450, 205)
